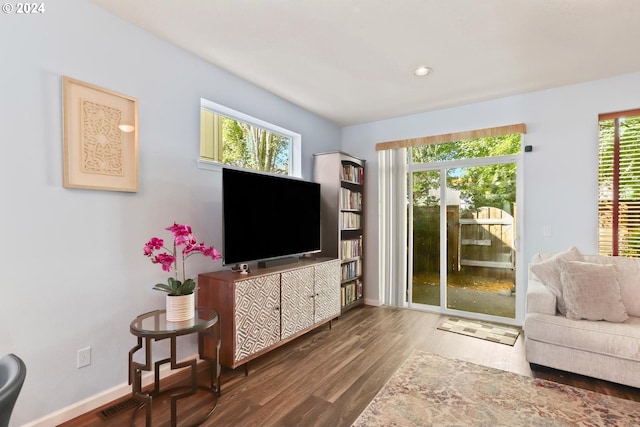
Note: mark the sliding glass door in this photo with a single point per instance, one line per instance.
(462, 232)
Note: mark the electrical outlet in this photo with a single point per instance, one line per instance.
(84, 357)
(546, 231)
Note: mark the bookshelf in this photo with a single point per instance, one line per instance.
(342, 180)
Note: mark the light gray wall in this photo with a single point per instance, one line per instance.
(560, 175)
(73, 273)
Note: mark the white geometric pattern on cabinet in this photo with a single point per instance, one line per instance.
(257, 314)
(297, 300)
(327, 300)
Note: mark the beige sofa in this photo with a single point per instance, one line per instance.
(585, 287)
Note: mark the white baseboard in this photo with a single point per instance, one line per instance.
(93, 402)
(373, 302)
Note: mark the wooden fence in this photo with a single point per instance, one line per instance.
(487, 243)
(480, 243)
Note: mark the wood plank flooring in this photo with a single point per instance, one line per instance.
(328, 376)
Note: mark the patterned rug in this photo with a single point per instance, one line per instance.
(483, 330)
(431, 390)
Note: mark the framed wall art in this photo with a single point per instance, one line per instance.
(100, 138)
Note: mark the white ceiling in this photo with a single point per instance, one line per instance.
(352, 61)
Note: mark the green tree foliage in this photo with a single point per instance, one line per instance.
(479, 186)
(493, 186)
(629, 174)
(252, 147)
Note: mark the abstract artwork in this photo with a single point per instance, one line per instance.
(100, 138)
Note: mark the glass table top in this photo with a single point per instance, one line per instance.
(155, 323)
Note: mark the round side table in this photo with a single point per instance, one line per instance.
(154, 326)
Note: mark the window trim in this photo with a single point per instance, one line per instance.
(295, 149)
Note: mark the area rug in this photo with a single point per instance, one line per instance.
(483, 330)
(431, 390)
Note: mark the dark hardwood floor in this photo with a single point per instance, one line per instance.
(328, 376)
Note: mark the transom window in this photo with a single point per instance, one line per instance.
(236, 139)
(493, 185)
(619, 184)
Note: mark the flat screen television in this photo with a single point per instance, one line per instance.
(267, 217)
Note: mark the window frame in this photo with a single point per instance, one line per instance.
(614, 228)
(393, 213)
(295, 148)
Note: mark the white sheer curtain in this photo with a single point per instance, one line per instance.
(392, 239)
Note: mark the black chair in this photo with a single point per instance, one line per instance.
(12, 374)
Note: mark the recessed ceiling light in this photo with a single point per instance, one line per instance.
(422, 71)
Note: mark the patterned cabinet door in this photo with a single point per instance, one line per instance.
(327, 290)
(297, 300)
(257, 314)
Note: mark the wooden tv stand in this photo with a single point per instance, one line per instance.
(269, 307)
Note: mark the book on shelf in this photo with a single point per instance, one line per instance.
(350, 220)
(352, 173)
(351, 248)
(351, 292)
(350, 200)
(351, 270)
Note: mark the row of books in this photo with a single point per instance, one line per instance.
(351, 292)
(350, 220)
(350, 199)
(352, 173)
(351, 248)
(351, 269)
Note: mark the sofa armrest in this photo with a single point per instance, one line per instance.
(539, 298)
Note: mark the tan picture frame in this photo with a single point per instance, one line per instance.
(100, 146)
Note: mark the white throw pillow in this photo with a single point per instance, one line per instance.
(548, 272)
(591, 292)
(628, 276)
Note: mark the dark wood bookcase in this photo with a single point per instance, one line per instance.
(342, 180)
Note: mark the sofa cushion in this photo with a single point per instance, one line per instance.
(621, 340)
(591, 292)
(540, 299)
(548, 272)
(628, 275)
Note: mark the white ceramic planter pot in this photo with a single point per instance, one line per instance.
(180, 307)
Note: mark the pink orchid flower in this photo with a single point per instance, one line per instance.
(182, 236)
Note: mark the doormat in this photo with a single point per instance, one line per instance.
(484, 330)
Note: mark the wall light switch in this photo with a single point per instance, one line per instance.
(83, 357)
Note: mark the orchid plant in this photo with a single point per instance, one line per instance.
(168, 259)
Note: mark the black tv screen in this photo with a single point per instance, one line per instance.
(268, 216)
